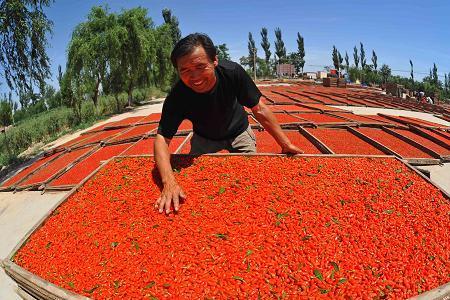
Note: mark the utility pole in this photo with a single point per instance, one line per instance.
(277, 64)
(254, 64)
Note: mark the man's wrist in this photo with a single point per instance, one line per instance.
(167, 180)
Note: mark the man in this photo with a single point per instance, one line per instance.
(211, 94)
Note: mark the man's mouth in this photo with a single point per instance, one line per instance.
(197, 83)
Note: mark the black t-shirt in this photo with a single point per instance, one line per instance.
(216, 115)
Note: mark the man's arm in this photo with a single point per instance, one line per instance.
(171, 192)
(265, 116)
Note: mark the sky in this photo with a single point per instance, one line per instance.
(397, 30)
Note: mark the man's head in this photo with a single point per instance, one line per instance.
(195, 58)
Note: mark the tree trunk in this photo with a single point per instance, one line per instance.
(116, 96)
(95, 97)
(130, 93)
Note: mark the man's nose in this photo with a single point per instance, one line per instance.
(195, 74)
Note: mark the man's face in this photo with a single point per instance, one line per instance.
(196, 70)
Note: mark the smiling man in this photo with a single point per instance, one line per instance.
(211, 94)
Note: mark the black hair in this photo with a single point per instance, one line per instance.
(187, 44)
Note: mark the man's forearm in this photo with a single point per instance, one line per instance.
(267, 119)
(162, 158)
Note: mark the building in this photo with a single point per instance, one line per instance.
(311, 75)
(321, 74)
(285, 70)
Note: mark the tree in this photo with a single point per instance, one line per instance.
(347, 63)
(172, 21)
(252, 51)
(163, 71)
(335, 58)
(6, 119)
(435, 79)
(280, 49)
(222, 52)
(60, 75)
(301, 50)
(412, 70)
(265, 44)
(91, 46)
(23, 39)
(340, 59)
(356, 57)
(445, 82)
(6, 113)
(294, 59)
(72, 91)
(137, 49)
(385, 72)
(363, 56)
(374, 60)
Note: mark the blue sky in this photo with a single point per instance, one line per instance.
(396, 30)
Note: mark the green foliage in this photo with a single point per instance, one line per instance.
(412, 70)
(362, 55)
(120, 52)
(294, 59)
(301, 51)
(265, 44)
(163, 71)
(385, 72)
(40, 128)
(93, 43)
(335, 58)
(435, 79)
(347, 63)
(172, 21)
(252, 51)
(371, 76)
(137, 49)
(355, 56)
(280, 49)
(23, 39)
(374, 60)
(6, 113)
(222, 52)
(354, 74)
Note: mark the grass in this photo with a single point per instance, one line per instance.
(48, 126)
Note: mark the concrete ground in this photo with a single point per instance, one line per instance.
(19, 212)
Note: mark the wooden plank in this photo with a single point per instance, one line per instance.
(412, 142)
(374, 143)
(315, 141)
(424, 134)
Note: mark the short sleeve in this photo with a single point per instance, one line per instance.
(171, 118)
(248, 93)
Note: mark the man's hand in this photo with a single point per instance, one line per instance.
(265, 116)
(171, 193)
(291, 149)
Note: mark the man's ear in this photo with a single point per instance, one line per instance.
(216, 61)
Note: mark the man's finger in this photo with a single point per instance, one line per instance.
(182, 194)
(161, 203)
(176, 201)
(157, 202)
(167, 204)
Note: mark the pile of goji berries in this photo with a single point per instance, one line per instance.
(250, 227)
